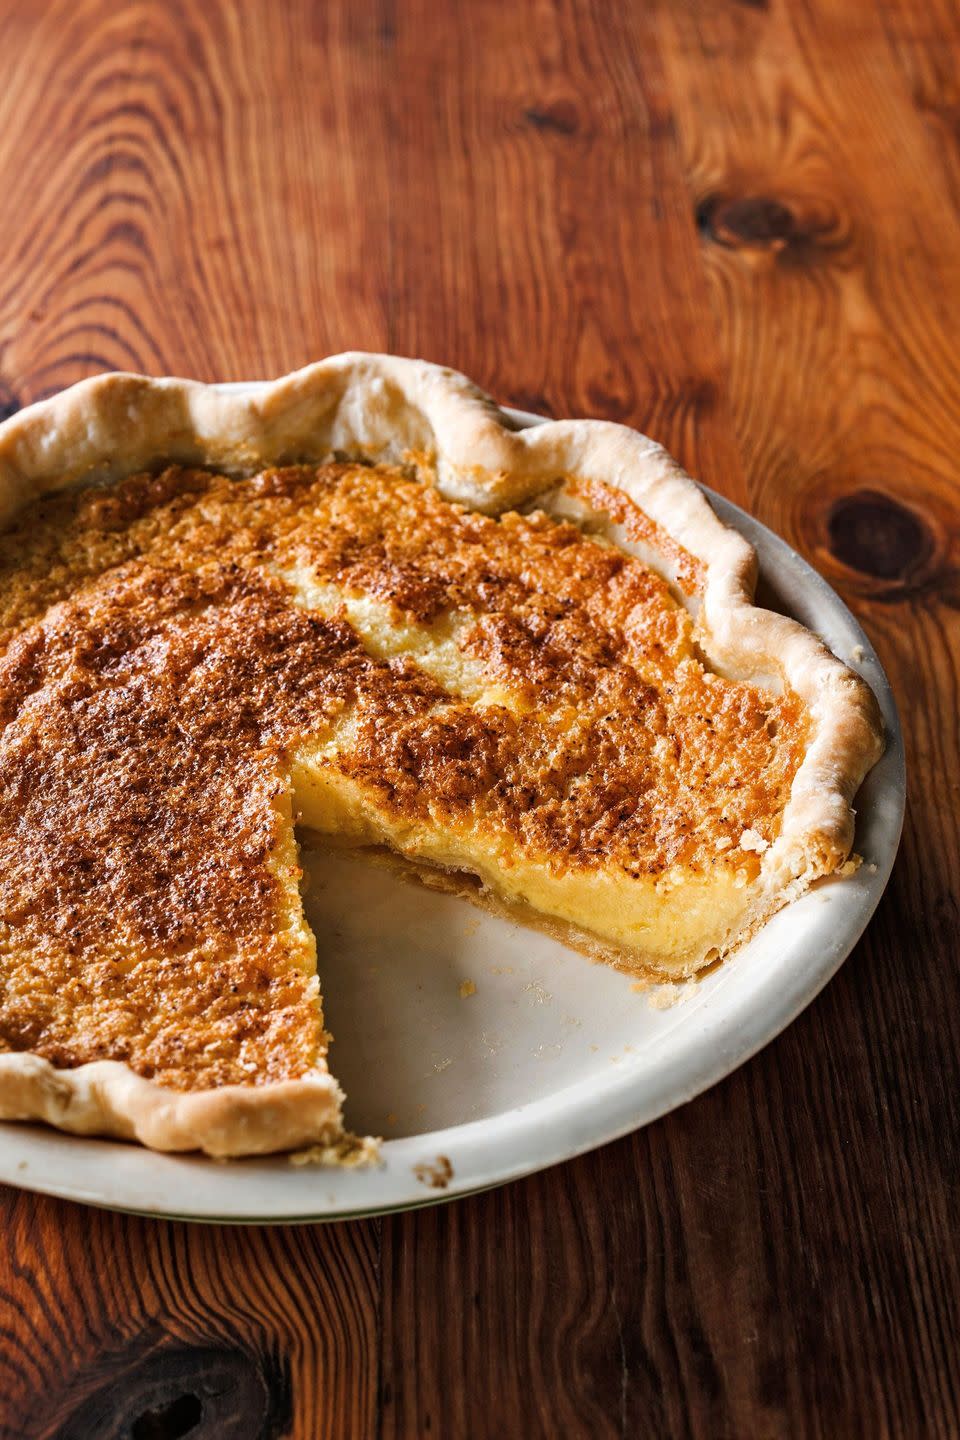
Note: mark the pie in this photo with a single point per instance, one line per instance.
(525, 665)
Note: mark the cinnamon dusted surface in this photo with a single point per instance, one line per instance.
(162, 664)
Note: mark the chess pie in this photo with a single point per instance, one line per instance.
(525, 665)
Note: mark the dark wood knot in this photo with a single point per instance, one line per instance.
(874, 534)
(188, 1394)
(559, 116)
(182, 1416)
(789, 230)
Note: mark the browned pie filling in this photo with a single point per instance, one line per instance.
(178, 649)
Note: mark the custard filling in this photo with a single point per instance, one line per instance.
(190, 664)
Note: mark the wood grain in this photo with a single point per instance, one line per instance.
(735, 224)
(108, 1322)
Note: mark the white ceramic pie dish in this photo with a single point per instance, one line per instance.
(489, 1051)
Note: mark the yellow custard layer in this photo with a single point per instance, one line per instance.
(191, 662)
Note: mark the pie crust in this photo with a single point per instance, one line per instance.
(387, 410)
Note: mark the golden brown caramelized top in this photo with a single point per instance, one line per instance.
(162, 657)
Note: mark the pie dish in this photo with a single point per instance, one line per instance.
(525, 665)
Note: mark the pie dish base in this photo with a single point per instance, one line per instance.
(540, 1099)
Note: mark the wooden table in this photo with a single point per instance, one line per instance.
(736, 225)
